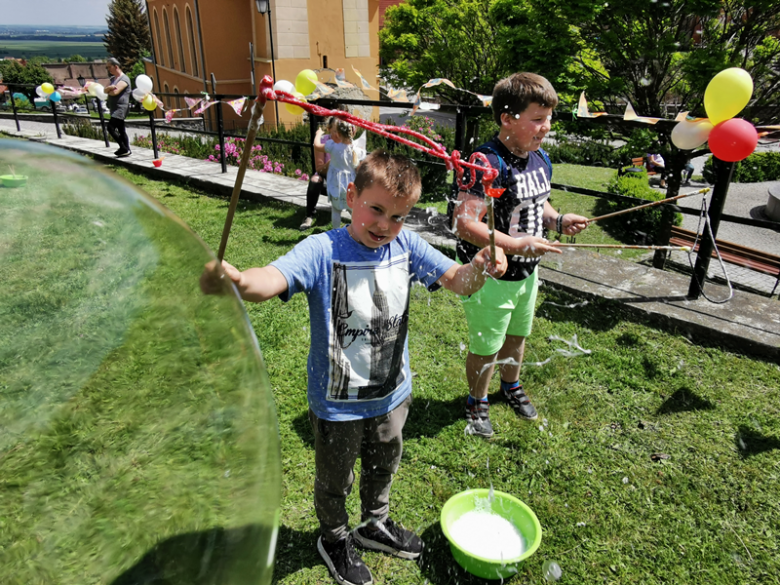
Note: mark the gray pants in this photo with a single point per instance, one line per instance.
(337, 444)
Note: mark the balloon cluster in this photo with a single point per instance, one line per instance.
(47, 91)
(94, 89)
(305, 84)
(730, 139)
(143, 93)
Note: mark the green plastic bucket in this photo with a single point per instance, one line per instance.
(506, 506)
(13, 180)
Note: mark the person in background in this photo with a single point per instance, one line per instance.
(656, 164)
(118, 91)
(317, 184)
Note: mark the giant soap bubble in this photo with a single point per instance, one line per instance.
(138, 435)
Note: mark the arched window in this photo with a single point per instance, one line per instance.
(177, 99)
(159, 51)
(172, 63)
(177, 30)
(192, 44)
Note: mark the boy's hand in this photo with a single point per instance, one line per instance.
(534, 247)
(482, 261)
(212, 281)
(573, 224)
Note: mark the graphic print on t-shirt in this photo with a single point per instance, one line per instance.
(370, 314)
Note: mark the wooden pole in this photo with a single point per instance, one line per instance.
(254, 122)
(626, 247)
(646, 205)
(491, 230)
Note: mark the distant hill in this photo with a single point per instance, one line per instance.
(54, 38)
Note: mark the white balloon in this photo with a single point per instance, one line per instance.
(284, 86)
(40, 92)
(139, 94)
(94, 88)
(144, 82)
(689, 134)
(100, 92)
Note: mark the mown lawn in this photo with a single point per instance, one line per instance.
(613, 508)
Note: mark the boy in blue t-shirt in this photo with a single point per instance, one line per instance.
(357, 280)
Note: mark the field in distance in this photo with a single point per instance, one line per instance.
(52, 49)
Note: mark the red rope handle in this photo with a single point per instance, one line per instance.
(451, 161)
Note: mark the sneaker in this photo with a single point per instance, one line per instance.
(478, 419)
(306, 223)
(123, 153)
(390, 538)
(520, 403)
(344, 562)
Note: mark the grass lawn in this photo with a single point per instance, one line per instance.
(655, 458)
(610, 512)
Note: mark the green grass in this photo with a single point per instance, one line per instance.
(610, 513)
(52, 49)
(709, 513)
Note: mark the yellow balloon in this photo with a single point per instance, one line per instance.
(727, 93)
(292, 108)
(306, 81)
(47, 88)
(149, 103)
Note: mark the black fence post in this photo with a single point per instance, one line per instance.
(460, 130)
(154, 135)
(56, 119)
(723, 172)
(220, 127)
(13, 107)
(102, 122)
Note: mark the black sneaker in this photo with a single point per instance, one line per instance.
(123, 153)
(344, 562)
(478, 419)
(520, 403)
(390, 538)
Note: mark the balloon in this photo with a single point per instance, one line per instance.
(727, 93)
(149, 103)
(293, 109)
(733, 140)
(92, 88)
(144, 82)
(306, 81)
(284, 86)
(55, 96)
(40, 92)
(99, 92)
(47, 88)
(139, 94)
(690, 134)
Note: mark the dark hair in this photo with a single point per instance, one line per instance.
(395, 172)
(513, 94)
(114, 61)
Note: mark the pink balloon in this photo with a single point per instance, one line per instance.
(733, 140)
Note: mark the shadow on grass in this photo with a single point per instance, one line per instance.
(684, 400)
(295, 550)
(597, 316)
(218, 555)
(750, 442)
(437, 564)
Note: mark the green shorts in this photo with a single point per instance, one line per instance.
(498, 309)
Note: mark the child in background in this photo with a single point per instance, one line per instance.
(357, 281)
(344, 159)
(317, 184)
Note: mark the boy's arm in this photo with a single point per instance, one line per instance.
(467, 224)
(469, 278)
(255, 284)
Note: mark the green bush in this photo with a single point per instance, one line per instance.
(83, 128)
(757, 168)
(594, 153)
(647, 221)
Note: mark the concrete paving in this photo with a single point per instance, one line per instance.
(748, 323)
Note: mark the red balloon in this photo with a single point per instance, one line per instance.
(733, 140)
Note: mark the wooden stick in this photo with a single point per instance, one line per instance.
(491, 230)
(646, 205)
(625, 247)
(254, 123)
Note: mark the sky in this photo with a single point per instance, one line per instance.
(51, 12)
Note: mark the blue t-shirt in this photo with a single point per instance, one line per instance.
(520, 208)
(359, 313)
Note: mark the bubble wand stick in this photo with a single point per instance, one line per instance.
(653, 204)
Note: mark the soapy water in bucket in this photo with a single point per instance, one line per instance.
(485, 534)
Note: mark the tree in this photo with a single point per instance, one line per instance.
(76, 59)
(128, 32)
(32, 75)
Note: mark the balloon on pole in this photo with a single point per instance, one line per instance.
(55, 96)
(47, 88)
(149, 103)
(284, 86)
(144, 82)
(306, 81)
(139, 94)
(733, 140)
(727, 94)
(292, 108)
(690, 134)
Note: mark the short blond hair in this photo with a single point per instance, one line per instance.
(395, 172)
(513, 94)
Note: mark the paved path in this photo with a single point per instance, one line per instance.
(748, 323)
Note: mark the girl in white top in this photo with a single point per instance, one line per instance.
(344, 159)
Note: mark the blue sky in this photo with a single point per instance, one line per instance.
(51, 12)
